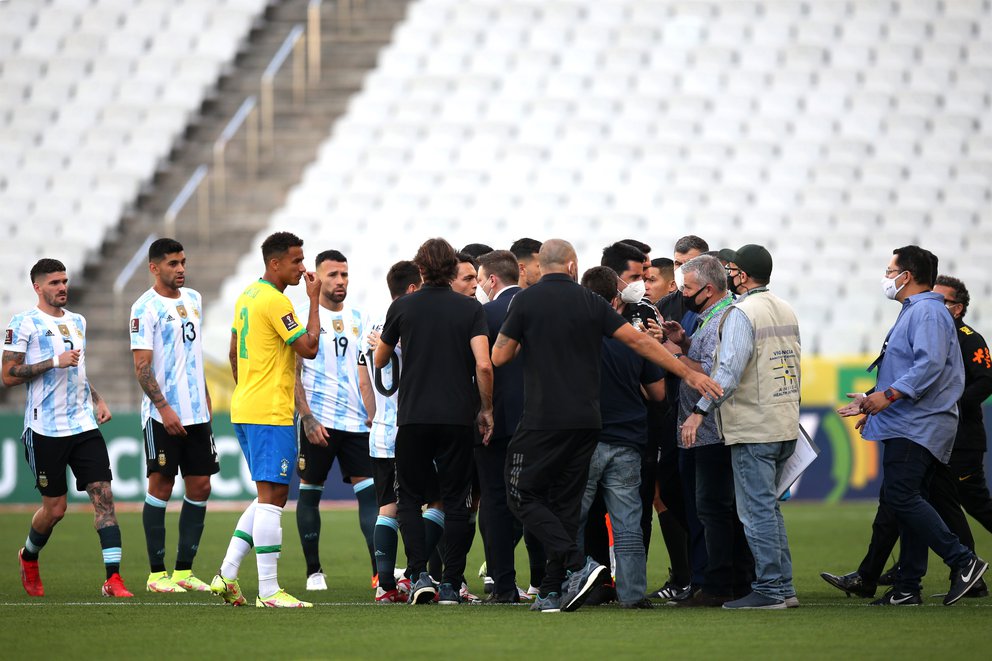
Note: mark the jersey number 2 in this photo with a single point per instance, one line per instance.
(242, 347)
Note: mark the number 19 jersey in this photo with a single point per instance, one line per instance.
(170, 329)
(330, 380)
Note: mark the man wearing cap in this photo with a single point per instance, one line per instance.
(757, 364)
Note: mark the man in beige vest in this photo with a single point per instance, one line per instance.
(757, 364)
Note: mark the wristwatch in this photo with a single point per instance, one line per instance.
(696, 409)
(890, 394)
(677, 355)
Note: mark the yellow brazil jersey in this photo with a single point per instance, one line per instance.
(265, 325)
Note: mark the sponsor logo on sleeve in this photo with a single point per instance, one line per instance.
(289, 321)
(8, 336)
(135, 325)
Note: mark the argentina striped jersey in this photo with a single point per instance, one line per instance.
(330, 380)
(382, 438)
(59, 400)
(170, 329)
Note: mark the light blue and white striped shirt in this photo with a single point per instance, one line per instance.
(330, 380)
(170, 328)
(382, 439)
(59, 400)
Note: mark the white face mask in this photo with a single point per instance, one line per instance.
(679, 279)
(889, 286)
(633, 292)
(481, 295)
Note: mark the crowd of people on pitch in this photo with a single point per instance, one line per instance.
(510, 390)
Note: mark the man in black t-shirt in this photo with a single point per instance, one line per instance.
(445, 344)
(558, 327)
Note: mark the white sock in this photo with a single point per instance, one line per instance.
(241, 543)
(267, 532)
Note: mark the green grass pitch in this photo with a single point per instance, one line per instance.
(74, 621)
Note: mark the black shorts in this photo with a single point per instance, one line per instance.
(351, 449)
(194, 454)
(384, 477)
(48, 456)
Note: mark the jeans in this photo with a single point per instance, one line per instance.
(729, 563)
(908, 469)
(757, 469)
(616, 469)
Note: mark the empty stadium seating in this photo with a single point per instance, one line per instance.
(830, 131)
(93, 95)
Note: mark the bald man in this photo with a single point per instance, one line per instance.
(557, 327)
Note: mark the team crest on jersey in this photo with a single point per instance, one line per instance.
(302, 463)
(42, 480)
(8, 337)
(284, 468)
(354, 330)
(65, 332)
(289, 321)
(181, 309)
(161, 458)
(135, 325)
(338, 325)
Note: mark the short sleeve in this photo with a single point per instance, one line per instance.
(391, 328)
(513, 324)
(651, 373)
(143, 323)
(283, 318)
(17, 335)
(611, 319)
(479, 325)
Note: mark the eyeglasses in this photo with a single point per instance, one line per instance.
(888, 271)
(949, 302)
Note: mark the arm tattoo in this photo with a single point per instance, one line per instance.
(103, 504)
(501, 341)
(95, 395)
(149, 384)
(299, 394)
(20, 370)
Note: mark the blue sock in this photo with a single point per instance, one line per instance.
(433, 530)
(191, 518)
(110, 542)
(385, 540)
(308, 523)
(368, 510)
(153, 520)
(33, 545)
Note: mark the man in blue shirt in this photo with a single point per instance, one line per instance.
(913, 411)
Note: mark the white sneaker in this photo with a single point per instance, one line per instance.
(525, 595)
(532, 592)
(317, 581)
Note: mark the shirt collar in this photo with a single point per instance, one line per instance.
(923, 296)
(557, 276)
(507, 288)
(702, 313)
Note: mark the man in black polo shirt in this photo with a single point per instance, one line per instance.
(558, 326)
(445, 344)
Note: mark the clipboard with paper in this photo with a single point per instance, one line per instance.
(805, 453)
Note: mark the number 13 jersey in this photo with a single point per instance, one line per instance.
(331, 379)
(170, 329)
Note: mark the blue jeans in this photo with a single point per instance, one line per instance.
(907, 470)
(617, 470)
(757, 469)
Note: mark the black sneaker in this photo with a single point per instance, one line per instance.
(641, 604)
(965, 578)
(448, 595)
(685, 595)
(423, 591)
(601, 594)
(889, 577)
(978, 591)
(851, 584)
(669, 590)
(895, 598)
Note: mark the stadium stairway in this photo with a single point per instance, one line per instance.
(352, 36)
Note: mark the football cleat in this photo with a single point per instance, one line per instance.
(281, 599)
(317, 581)
(375, 581)
(526, 595)
(389, 596)
(404, 585)
(114, 587)
(30, 576)
(186, 580)
(851, 584)
(160, 582)
(467, 597)
(227, 590)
